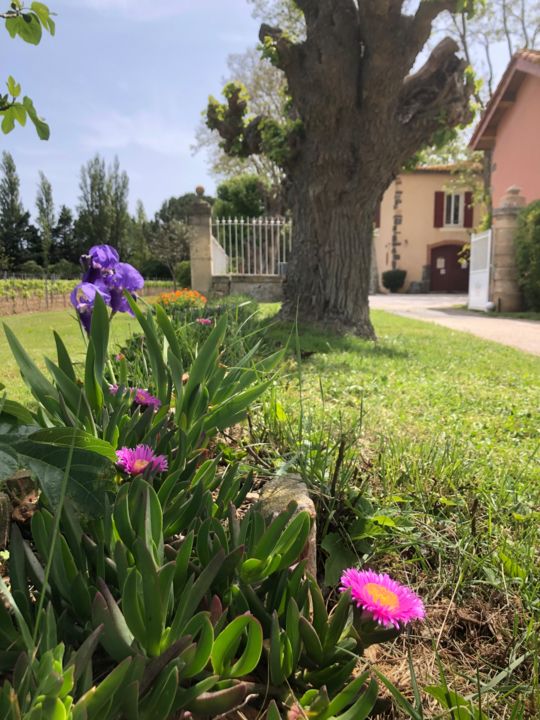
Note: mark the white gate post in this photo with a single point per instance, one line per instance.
(200, 244)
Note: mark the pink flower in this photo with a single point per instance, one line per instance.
(204, 321)
(143, 397)
(135, 462)
(385, 599)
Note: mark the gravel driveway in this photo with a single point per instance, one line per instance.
(440, 309)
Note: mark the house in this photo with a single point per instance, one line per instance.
(422, 225)
(509, 129)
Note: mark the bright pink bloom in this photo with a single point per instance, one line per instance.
(386, 600)
(135, 462)
(204, 321)
(142, 397)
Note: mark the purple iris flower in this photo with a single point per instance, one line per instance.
(100, 262)
(83, 297)
(124, 278)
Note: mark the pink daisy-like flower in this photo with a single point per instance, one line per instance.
(135, 461)
(143, 397)
(385, 599)
(204, 321)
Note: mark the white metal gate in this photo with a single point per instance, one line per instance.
(254, 246)
(480, 270)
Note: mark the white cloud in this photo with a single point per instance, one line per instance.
(143, 129)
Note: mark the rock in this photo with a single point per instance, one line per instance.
(277, 494)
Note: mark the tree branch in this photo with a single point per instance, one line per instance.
(422, 22)
(288, 52)
(436, 97)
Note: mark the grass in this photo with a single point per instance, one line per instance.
(442, 438)
(35, 331)
(448, 456)
(520, 315)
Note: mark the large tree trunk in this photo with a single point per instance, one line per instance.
(328, 275)
(357, 116)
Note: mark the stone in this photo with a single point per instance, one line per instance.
(275, 497)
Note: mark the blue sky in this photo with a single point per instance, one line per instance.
(126, 78)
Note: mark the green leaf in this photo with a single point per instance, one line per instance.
(41, 388)
(29, 29)
(19, 113)
(9, 462)
(99, 333)
(68, 437)
(361, 709)
(273, 712)
(23, 627)
(226, 644)
(17, 411)
(8, 122)
(511, 567)
(400, 699)
(14, 88)
(41, 126)
(88, 473)
(460, 707)
(339, 558)
(157, 364)
(42, 11)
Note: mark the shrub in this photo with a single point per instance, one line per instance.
(394, 280)
(527, 245)
(155, 269)
(183, 274)
(30, 267)
(65, 269)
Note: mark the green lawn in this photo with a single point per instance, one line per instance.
(35, 331)
(449, 455)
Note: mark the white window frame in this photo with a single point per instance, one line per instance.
(460, 221)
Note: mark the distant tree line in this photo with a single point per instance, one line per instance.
(54, 241)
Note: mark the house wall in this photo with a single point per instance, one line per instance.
(516, 156)
(416, 233)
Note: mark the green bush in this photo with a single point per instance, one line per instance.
(65, 269)
(183, 274)
(156, 270)
(30, 267)
(527, 245)
(394, 280)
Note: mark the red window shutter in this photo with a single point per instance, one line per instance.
(439, 210)
(469, 209)
(378, 215)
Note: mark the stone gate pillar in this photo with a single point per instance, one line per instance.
(200, 244)
(504, 287)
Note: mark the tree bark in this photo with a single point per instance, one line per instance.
(362, 117)
(328, 275)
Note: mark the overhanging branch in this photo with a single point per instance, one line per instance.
(427, 12)
(436, 97)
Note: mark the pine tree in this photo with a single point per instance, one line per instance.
(14, 221)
